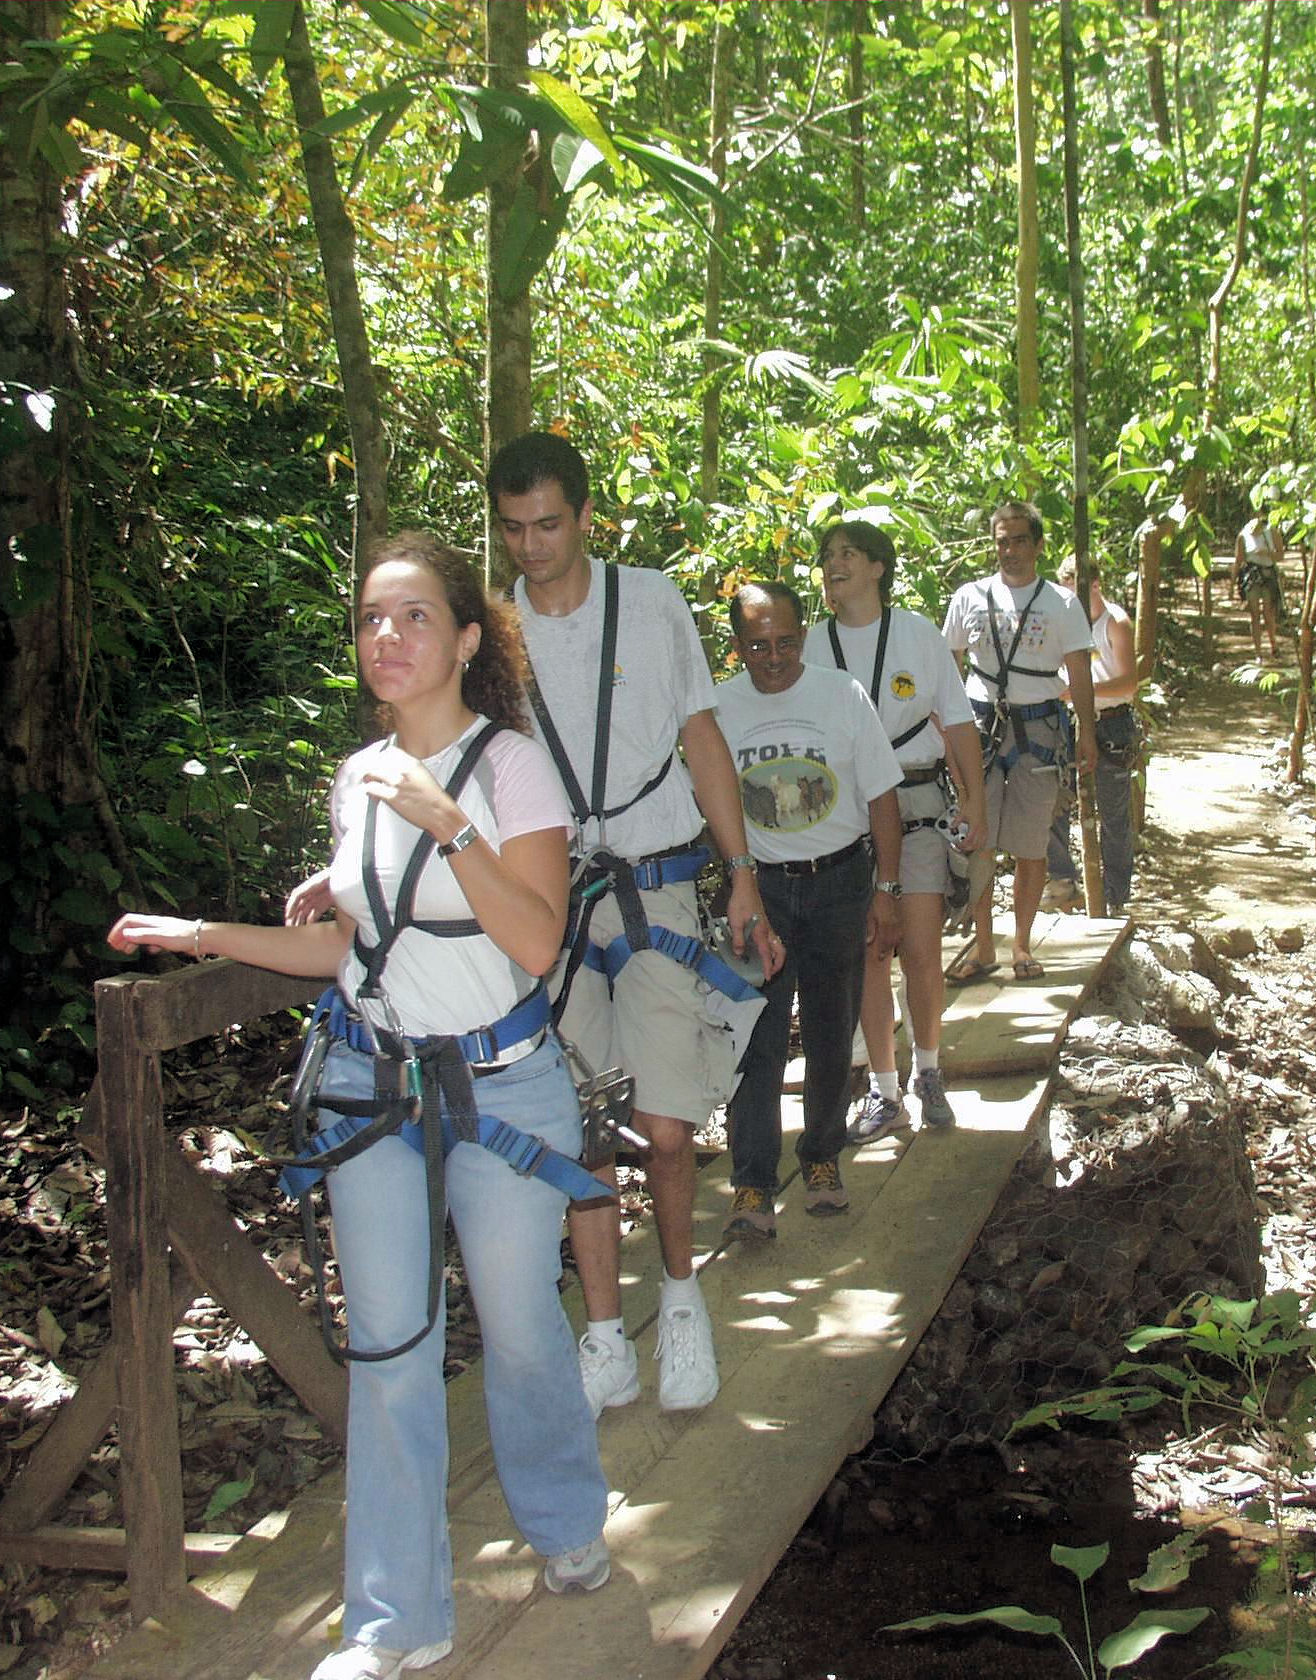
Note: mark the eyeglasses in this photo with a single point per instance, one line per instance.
(784, 644)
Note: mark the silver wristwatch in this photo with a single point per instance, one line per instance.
(892, 887)
(463, 838)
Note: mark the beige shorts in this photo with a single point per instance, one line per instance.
(657, 1025)
(923, 865)
(1020, 807)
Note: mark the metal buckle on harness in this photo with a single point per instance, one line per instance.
(396, 1062)
(607, 1101)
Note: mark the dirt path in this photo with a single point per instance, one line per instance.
(1221, 843)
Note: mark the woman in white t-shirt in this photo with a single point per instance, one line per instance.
(443, 660)
(1258, 551)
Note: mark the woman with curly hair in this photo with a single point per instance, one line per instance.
(486, 920)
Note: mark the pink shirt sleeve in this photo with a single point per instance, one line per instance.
(528, 792)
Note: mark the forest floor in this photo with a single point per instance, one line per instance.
(1224, 842)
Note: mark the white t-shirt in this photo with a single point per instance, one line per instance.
(1103, 661)
(1261, 544)
(918, 678)
(660, 680)
(441, 985)
(1055, 625)
(807, 760)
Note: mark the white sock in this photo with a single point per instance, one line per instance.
(680, 1292)
(611, 1332)
(885, 1084)
(924, 1059)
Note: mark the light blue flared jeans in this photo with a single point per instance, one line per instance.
(398, 1564)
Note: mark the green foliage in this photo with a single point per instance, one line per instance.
(1120, 1650)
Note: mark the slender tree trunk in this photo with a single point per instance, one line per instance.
(510, 343)
(1025, 136)
(1093, 886)
(719, 114)
(1160, 107)
(336, 238)
(1195, 483)
(859, 29)
(1302, 710)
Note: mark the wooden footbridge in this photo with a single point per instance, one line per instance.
(812, 1330)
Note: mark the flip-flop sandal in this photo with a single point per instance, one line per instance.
(1028, 968)
(959, 975)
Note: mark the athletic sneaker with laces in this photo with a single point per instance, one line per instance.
(687, 1364)
(824, 1193)
(611, 1376)
(931, 1094)
(585, 1570)
(353, 1661)
(752, 1214)
(877, 1114)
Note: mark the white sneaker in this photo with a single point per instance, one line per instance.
(585, 1570)
(352, 1661)
(610, 1378)
(687, 1365)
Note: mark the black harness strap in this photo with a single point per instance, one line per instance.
(879, 662)
(1005, 665)
(582, 809)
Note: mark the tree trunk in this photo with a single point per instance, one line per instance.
(336, 238)
(1025, 138)
(48, 764)
(1160, 107)
(1093, 886)
(711, 417)
(1302, 710)
(510, 342)
(859, 29)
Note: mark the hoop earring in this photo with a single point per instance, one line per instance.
(466, 665)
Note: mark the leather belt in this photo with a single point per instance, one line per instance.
(816, 866)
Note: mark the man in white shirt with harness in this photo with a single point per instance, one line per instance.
(1016, 630)
(620, 680)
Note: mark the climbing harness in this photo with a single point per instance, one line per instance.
(599, 871)
(424, 1090)
(874, 688)
(998, 716)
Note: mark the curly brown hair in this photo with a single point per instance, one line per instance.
(494, 680)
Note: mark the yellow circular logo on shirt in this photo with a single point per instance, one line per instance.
(902, 685)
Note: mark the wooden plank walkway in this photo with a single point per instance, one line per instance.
(812, 1330)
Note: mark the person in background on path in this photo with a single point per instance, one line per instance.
(1015, 629)
(1258, 550)
(1114, 688)
(652, 1017)
(919, 694)
(818, 780)
(443, 660)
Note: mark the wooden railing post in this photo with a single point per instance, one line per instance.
(141, 1299)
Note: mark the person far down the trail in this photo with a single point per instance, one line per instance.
(1014, 630)
(913, 680)
(817, 780)
(461, 804)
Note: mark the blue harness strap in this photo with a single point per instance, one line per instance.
(524, 1153)
(1020, 715)
(683, 948)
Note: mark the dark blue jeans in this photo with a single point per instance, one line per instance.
(822, 920)
(1115, 817)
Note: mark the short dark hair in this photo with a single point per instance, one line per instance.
(870, 540)
(537, 458)
(1018, 510)
(774, 590)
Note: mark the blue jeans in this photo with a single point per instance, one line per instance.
(1115, 816)
(398, 1565)
(822, 920)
